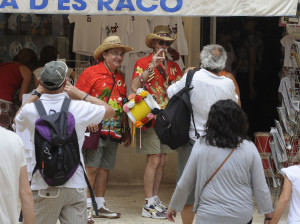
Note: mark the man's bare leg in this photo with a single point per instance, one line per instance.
(100, 182)
(159, 173)
(91, 173)
(153, 161)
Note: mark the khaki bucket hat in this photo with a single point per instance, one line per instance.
(109, 43)
(160, 33)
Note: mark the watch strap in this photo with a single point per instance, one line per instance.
(35, 92)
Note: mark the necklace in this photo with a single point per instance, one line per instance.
(109, 68)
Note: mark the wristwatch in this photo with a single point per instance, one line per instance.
(35, 92)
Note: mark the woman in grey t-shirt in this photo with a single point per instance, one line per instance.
(228, 197)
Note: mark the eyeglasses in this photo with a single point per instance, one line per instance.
(167, 43)
(116, 54)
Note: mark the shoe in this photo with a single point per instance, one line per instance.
(159, 204)
(152, 212)
(89, 216)
(104, 212)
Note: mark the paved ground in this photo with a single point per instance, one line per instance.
(129, 200)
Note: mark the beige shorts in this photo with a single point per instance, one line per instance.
(150, 143)
(68, 205)
(104, 156)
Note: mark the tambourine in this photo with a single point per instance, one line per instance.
(141, 107)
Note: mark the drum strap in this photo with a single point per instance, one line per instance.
(161, 71)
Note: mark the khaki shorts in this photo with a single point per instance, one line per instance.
(184, 153)
(104, 156)
(150, 143)
(68, 205)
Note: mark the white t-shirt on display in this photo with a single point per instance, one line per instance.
(286, 90)
(84, 113)
(293, 174)
(120, 26)
(287, 42)
(138, 36)
(11, 161)
(87, 33)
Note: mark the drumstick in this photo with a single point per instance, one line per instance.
(150, 79)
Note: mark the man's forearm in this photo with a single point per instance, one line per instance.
(31, 99)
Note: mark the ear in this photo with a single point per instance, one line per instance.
(104, 55)
(40, 82)
(65, 82)
(153, 44)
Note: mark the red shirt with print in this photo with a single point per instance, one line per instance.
(99, 82)
(155, 85)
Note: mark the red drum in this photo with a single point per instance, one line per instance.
(262, 140)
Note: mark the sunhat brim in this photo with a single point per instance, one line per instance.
(153, 36)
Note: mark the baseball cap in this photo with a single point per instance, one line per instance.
(53, 74)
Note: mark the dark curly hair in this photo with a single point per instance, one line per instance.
(226, 125)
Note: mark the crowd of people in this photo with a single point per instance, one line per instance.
(217, 173)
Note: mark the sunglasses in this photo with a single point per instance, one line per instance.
(162, 42)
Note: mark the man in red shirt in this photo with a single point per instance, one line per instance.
(105, 82)
(155, 73)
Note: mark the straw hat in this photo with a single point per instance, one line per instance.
(160, 33)
(109, 43)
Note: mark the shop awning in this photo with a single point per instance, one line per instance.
(154, 7)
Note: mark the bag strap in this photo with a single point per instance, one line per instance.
(218, 168)
(112, 87)
(40, 108)
(66, 104)
(161, 71)
(95, 207)
(189, 78)
(188, 81)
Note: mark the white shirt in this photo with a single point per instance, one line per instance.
(287, 42)
(84, 113)
(138, 36)
(208, 89)
(293, 174)
(87, 33)
(285, 88)
(11, 161)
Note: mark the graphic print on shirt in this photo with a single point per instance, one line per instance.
(112, 29)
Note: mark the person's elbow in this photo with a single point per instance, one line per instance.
(284, 199)
(109, 112)
(25, 192)
(134, 85)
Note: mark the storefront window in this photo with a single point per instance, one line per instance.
(33, 31)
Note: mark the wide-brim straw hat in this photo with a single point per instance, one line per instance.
(109, 43)
(160, 33)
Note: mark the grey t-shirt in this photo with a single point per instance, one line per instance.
(228, 197)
